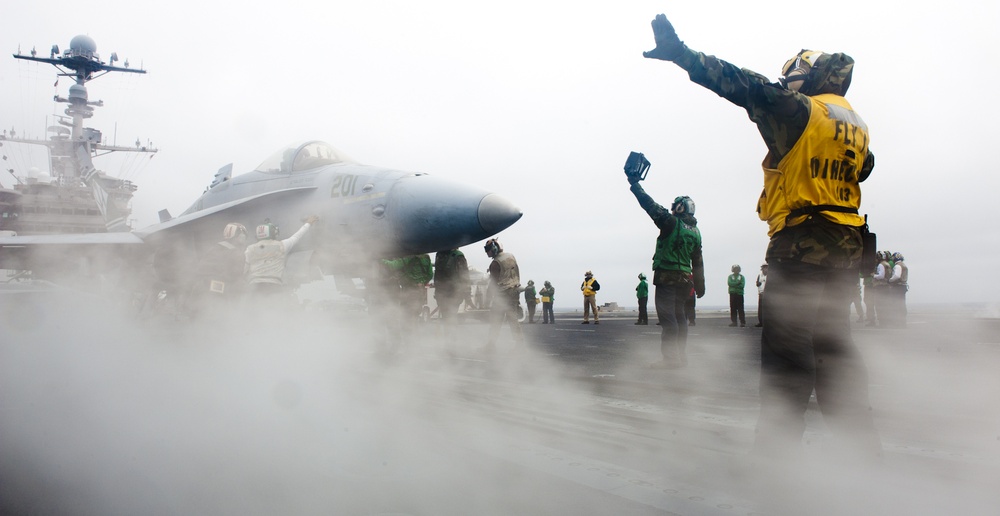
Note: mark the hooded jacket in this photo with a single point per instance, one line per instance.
(799, 168)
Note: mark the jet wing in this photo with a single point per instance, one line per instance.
(34, 252)
(210, 221)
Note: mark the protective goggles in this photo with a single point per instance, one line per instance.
(804, 60)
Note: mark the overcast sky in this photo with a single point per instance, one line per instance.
(542, 102)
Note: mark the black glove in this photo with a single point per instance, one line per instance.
(668, 45)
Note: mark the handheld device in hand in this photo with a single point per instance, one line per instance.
(636, 166)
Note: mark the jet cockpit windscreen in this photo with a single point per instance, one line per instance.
(300, 157)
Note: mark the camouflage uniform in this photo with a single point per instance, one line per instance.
(806, 342)
(781, 117)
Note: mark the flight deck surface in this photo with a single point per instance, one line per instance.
(302, 416)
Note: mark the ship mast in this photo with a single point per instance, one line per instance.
(72, 146)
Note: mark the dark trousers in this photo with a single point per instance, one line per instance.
(689, 308)
(448, 304)
(643, 315)
(880, 293)
(531, 311)
(669, 300)
(736, 309)
(806, 345)
(547, 314)
(895, 307)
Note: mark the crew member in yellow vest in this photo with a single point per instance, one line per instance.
(818, 154)
(589, 287)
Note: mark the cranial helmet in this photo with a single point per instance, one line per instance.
(531, 282)
(267, 231)
(642, 276)
(736, 268)
(897, 257)
(803, 62)
(233, 230)
(588, 274)
(682, 204)
(492, 247)
(819, 72)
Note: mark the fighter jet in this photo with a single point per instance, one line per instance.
(366, 213)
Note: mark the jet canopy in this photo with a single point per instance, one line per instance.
(301, 157)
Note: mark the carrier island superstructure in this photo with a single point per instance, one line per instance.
(74, 196)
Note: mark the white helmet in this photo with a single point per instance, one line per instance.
(682, 204)
(233, 230)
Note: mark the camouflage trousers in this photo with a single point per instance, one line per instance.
(806, 345)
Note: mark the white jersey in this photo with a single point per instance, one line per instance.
(265, 259)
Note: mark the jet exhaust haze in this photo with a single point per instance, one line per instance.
(292, 412)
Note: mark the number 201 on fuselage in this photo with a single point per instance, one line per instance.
(343, 185)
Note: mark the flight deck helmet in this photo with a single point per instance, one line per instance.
(682, 204)
(267, 231)
(234, 230)
(797, 69)
(492, 248)
(810, 72)
(736, 269)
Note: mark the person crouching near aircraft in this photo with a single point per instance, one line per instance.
(504, 289)
(220, 270)
(265, 259)
(677, 263)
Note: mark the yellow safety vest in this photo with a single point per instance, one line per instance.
(821, 169)
(587, 291)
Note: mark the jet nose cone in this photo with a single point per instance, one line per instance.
(429, 214)
(497, 213)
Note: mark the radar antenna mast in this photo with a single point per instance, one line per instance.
(71, 155)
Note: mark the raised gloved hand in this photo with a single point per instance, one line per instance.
(668, 45)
